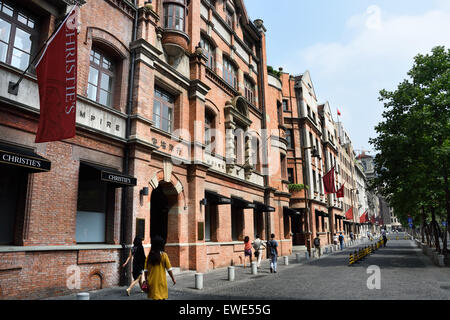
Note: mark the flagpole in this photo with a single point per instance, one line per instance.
(13, 87)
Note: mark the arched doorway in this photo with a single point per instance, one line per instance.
(163, 199)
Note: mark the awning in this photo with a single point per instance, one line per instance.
(215, 198)
(23, 157)
(290, 212)
(261, 207)
(241, 203)
(113, 176)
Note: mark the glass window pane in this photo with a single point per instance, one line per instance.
(20, 59)
(93, 76)
(8, 10)
(157, 108)
(22, 40)
(106, 83)
(105, 98)
(90, 227)
(157, 121)
(92, 92)
(23, 19)
(165, 125)
(3, 51)
(30, 24)
(5, 30)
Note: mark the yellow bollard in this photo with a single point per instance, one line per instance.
(351, 259)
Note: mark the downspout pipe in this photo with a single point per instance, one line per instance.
(126, 155)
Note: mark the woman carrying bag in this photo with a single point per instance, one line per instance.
(155, 271)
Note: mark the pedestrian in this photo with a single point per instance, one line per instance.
(351, 235)
(335, 239)
(155, 270)
(258, 244)
(272, 244)
(383, 233)
(247, 250)
(369, 236)
(138, 255)
(341, 240)
(317, 245)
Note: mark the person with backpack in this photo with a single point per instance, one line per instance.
(272, 244)
(383, 233)
(258, 244)
(341, 240)
(317, 245)
(138, 255)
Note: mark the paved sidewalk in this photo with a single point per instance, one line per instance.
(215, 279)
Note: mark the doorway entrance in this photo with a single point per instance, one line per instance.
(164, 199)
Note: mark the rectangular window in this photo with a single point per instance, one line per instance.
(289, 138)
(17, 29)
(249, 91)
(163, 105)
(13, 186)
(209, 51)
(283, 166)
(314, 180)
(290, 172)
(237, 216)
(285, 105)
(229, 73)
(94, 200)
(210, 222)
(230, 17)
(140, 228)
(258, 223)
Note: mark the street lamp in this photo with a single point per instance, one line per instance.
(314, 154)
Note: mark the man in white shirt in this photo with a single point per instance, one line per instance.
(258, 246)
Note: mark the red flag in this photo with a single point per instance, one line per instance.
(372, 219)
(339, 113)
(328, 182)
(340, 192)
(363, 218)
(57, 79)
(349, 214)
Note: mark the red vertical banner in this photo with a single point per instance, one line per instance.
(340, 192)
(328, 182)
(57, 80)
(349, 214)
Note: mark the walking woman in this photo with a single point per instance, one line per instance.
(155, 271)
(247, 250)
(138, 255)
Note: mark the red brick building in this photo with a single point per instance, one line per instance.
(173, 101)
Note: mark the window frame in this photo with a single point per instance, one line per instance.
(102, 71)
(174, 4)
(15, 24)
(210, 52)
(250, 90)
(169, 103)
(230, 72)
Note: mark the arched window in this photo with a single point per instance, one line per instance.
(101, 78)
(175, 14)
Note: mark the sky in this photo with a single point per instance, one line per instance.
(352, 49)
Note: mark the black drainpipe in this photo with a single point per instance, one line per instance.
(125, 276)
(264, 137)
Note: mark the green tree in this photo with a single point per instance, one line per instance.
(413, 145)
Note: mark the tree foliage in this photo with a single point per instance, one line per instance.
(413, 142)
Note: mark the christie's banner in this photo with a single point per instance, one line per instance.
(57, 79)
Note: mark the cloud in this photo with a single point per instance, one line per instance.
(377, 56)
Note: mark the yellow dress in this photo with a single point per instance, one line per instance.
(157, 280)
